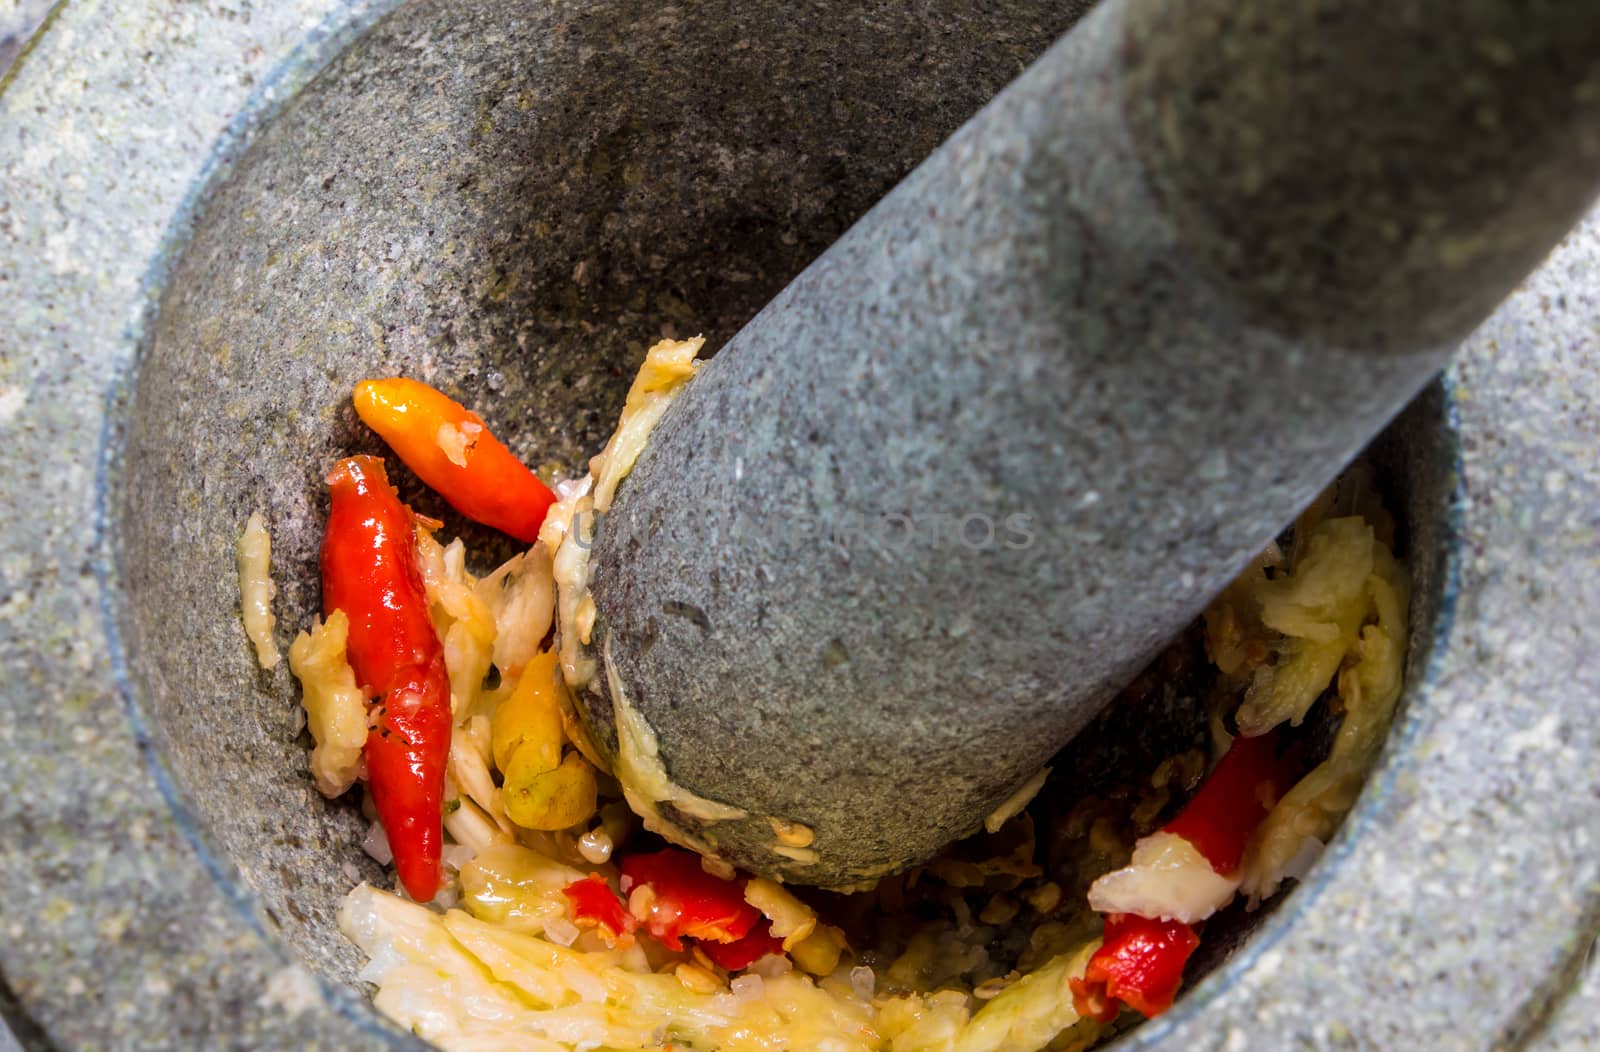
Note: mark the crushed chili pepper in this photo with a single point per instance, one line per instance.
(741, 954)
(451, 450)
(1139, 963)
(688, 901)
(595, 905)
(369, 571)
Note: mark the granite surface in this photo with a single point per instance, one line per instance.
(1031, 339)
(18, 20)
(17, 24)
(1454, 911)
(1355, 215)
(116, 933)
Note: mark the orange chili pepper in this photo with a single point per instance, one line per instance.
(369, 571)
(451, 450)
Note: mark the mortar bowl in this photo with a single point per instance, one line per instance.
(205, 248)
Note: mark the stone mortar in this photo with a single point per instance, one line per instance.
(214, 216)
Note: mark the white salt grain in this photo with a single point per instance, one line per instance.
(457, 855)
(772, 965)
(376, 844)
(385, 959)
(561, 931)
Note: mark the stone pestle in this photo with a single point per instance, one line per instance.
(916, 523)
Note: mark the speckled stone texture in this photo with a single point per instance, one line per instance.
(17, 23)
(141, 911)
(1332, 162)
(946, 494)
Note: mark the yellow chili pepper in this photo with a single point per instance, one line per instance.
(549, 800)
(531, 716)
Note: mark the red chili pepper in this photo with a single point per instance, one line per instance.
(450, 449)
(687, 900)
(736, 956)
(595, 905)
(1139, 963)
(369, 571)
(1221, 818)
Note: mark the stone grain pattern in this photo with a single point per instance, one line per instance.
(16, 26)
(17, 23)
(509, 199)
(1086, 313)
(115, 933)
(127, 923)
